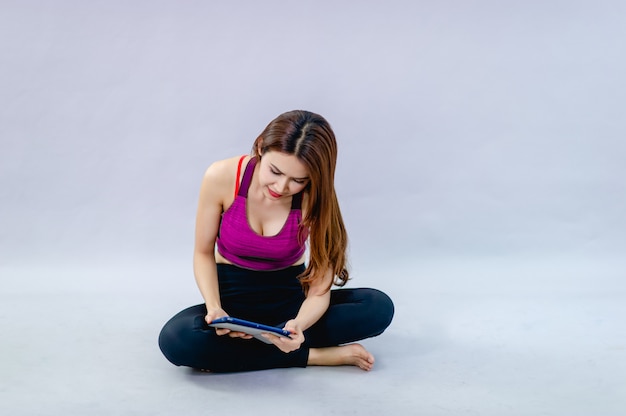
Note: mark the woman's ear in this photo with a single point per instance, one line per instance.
(259, 146)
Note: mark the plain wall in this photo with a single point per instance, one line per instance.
(486, 136)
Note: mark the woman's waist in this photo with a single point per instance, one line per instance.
(231, 273)
(220, 259)
(251, 294)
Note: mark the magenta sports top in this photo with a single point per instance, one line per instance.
(238, 243)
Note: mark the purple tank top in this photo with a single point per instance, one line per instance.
(238, 243)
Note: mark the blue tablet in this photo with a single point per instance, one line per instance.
(252, 328)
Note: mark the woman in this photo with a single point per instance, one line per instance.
(254, 217)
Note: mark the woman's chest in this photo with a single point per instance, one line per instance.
(266, 220)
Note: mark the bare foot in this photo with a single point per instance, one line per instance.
(352, 354)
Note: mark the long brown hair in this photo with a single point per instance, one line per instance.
(310, 138)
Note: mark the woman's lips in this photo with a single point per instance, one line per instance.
(274, 194)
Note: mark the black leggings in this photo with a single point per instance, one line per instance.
(270, 298)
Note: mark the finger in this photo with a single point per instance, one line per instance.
(271, 338)
(238, 334)
(277, 343)
(282, 343)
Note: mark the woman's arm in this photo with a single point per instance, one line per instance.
(311, 310)
(318, 295)
(316, 302)
(207, 224)
(216, 191)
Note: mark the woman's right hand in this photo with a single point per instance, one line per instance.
(213, 314)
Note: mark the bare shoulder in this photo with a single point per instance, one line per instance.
(223, 171)
(220, 176)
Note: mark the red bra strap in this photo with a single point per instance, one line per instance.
(238, 174)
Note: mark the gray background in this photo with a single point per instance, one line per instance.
(481, 176)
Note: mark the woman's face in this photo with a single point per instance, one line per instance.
(281, 175)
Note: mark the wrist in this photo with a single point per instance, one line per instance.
(212, 306)
(295, 323)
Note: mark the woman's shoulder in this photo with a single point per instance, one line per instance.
(225, 167)
(222, 173)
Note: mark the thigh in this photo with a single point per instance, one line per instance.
(353, 314)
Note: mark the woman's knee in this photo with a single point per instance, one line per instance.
(172, 345)
(179, 338)
(381, 308)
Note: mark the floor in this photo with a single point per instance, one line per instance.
(85, 346)
(487, 128)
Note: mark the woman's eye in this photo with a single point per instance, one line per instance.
(274, 172)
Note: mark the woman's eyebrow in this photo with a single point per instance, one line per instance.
(279, 171)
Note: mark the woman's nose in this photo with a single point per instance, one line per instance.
(283, 185)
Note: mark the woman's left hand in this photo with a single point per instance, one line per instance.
(287, 344)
